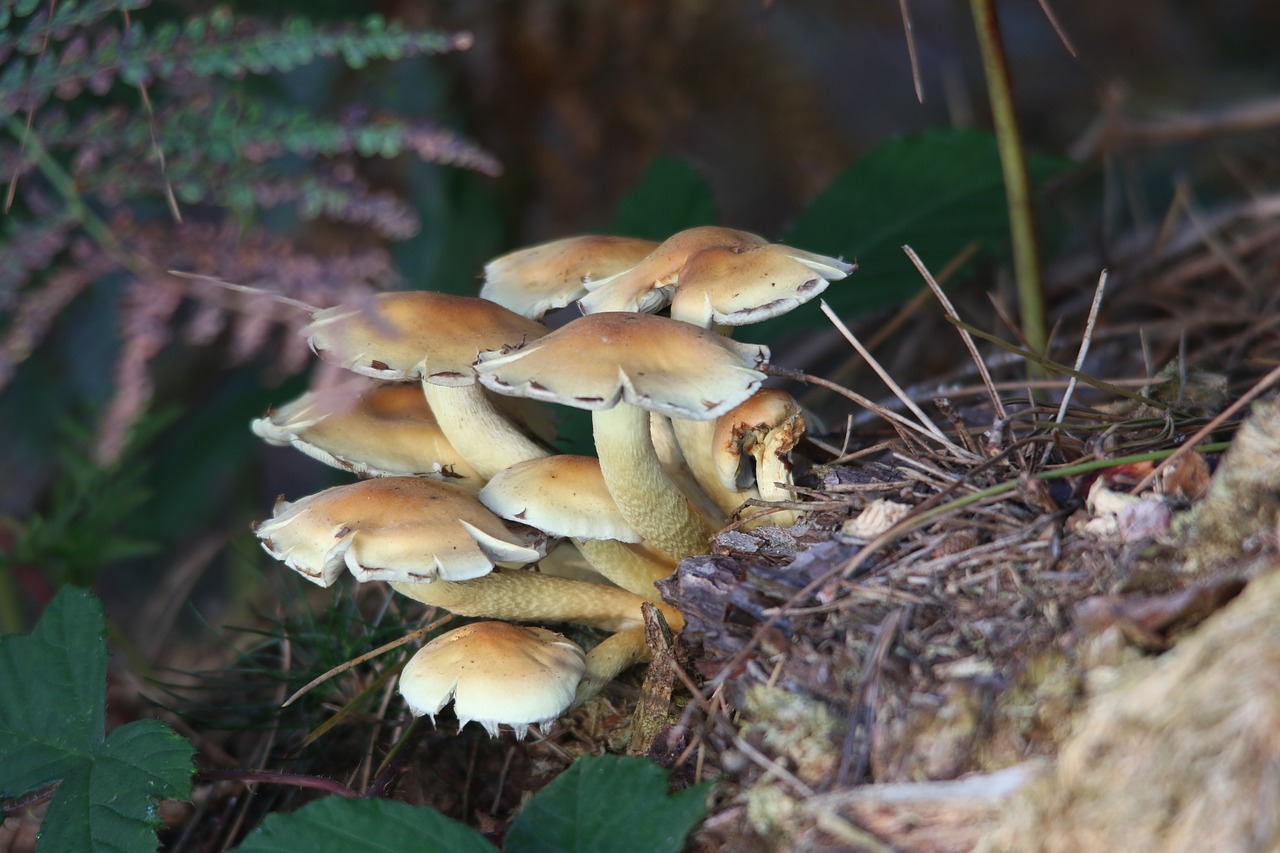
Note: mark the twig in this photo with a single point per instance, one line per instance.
(1057, 27)
(909, 30)
(298, 780)
(996, 403)
(1190, 444)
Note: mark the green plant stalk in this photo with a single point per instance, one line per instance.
(1013, 163)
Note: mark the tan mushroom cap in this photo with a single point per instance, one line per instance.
(496, 674)
(368, 428)
(396, 528)
(599, 360)
(417, 335)
(537, 279)
(647, 286)
(561, 495)
(750, 283)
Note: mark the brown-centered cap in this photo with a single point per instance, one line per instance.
(369, 428)
(537, 279)
(647, 286)
(394, 528)
(750, 283)
(417, 334)
(561, 495)
(496, 674)
(659, 364)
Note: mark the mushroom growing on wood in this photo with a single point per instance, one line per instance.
(763, 430)
(496, 674)
(392, 528)
(567, 496)
(434, 337)
(621, 366)
(377, 429)
(541, 278)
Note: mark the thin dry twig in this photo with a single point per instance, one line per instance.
(909, 31)
(1084, 345)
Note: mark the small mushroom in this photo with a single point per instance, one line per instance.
(763, 430)
(621, 366)
(496, 674)
(434, 337)
(538, 279)
(372, 429)
(392, 528)
(567, 496)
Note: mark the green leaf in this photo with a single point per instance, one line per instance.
(670, 197)
(52, 730)
(607, 803)
(936, 191)
(336, 825)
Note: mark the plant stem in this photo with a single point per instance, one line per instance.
(1026, 261)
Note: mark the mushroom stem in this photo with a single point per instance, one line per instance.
(696, 440)
(524, 596)
(477, 430)
(609, 659)
(633, 567)
(647, 498)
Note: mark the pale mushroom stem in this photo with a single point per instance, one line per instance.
(609, 659)
(631, 567)
(696, 440)
(772, 467)
(647, 498)
(477, 430)
(524, 596)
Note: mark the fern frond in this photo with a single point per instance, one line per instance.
(211, 45)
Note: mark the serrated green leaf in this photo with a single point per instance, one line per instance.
(337, 825)
(607, 803)
(936, 191)
(670, 196)
(52, 713)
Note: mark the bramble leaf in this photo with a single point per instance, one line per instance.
(669, 197)
(52, 731)
(337, 825)
(606, 803)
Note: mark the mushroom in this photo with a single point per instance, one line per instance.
(647, 286)
(434, 337)
(537, 279)
(620, 366)
(567, 496)
(496, 674)
(764, 429)
(372, 429)
(392, 528)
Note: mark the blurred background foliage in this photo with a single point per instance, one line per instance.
(392, 158)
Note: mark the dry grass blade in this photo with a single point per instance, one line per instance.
(1084, 345)
(356, 661)
(1050, 364)
(1057, 27)
(909, 30)
(244, 288)
(996, 404)
(888, 380)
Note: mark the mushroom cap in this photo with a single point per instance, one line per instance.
(537, 279)
(403, 529)
(374, 429)
(769, 421)
(561, 495)
(749, 283)
(598, 360)
(647, 286)
(496, 674)
(416, 334)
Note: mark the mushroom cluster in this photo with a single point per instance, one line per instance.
(461, 498)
